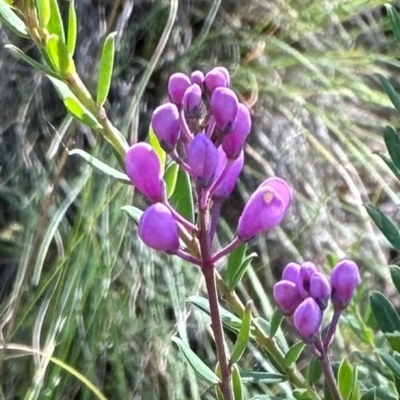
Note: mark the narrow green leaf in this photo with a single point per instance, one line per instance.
(276, 320)
(345, 380)
(235, 260)
(243, 336)
(387, 86)
(261, 377)
(392, 141)
(155, 144)
(196, 363)
(72, 28)
(394, 340)
(171, 177)
(59, 55)
(100, 165)
(314, 371)
(356, 394)
(390, 362)
(294, 353)
(182, 198)
(133, 212)
(15, 23)
(55, 25)
(106, 69)
(386, 226)
(370, 395)
(74, 106)
(43, 12)
(242, 269)
(395, 274)
(238, 390)
(374, 365)
(385, 315)
(301, 394)
(395, 21)
(390, 164)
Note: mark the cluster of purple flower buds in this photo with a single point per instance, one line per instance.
(304, 293)
(203, 128)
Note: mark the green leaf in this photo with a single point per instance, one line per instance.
(243, 336)
(374, 365)
(394, 340)
(43, 12)
(392, 141)
(171, 177)
(262, 377)
(314, 371)
(202, 370)
(370, 395)
(59, 55)
(238, 391)
(182, 198)
(385, 315)
(301, 394)
(345, 380)
(55, 25)
(100, 165)
(155, 144)
(390, 164)
(74, 106)
(386, 226)
(387, 86)
(106, 69)
(11, 19)
(276, 320)
(294, 353)
(235, 260)
(390, 361)
(395, 274)
(242, 269)
(72, 28)
(395, 21)
(133, 212)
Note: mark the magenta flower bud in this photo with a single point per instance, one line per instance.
(345, 278)
(307, 319)
(224, 108)
(158, 229)
(291, 272)
(177, 85)
(226, 186)
(202, 157)
(192, 100)
(197, 77)
(233, 142)
(307, 269)
(265, 209)
(166, 125)
(320, 289)
(217, 77)
(143, 167)
(287, 296)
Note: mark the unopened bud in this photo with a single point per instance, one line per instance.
(320, 289)
(287, 296)
(307, 319)
(192, 101)
(224, 107)
(166, 125)
(291, 272)
(177, 85)
(217, 77)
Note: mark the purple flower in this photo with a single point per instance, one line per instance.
(224, 107)
(158, 229)
(143, 167)
(233, 142)
(217, 77)
(192, 100)
(320, 289)
(197, 77)
(202, 157)
(287, 296)
(177, 85)
(345, 278)
(307, 319)
(166, 125)
(291, 272)
(265, 209)
(307, 269)
(226, 186)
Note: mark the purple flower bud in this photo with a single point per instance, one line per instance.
(177, 85)
(192, 100)
(197, 77)
(202, 157)
(226, 186)
(224, 107)
(307, 269)
(265, 209)
(345, 278)
(158, 229)
(287, 296)
(233, 142)
(307, 319)
(320, 289)
(166, 125)
(217, 77)
(291, 272)
(143, 167)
